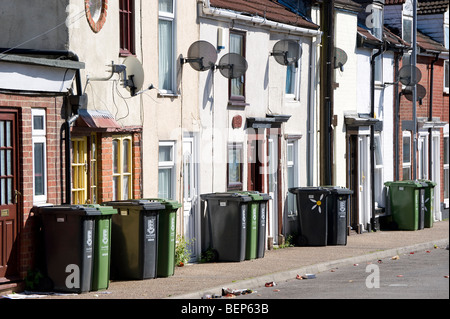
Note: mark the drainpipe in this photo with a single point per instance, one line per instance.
(414, 101)
(372, 132)
(430, 118)
(66, 126)
(397, 117)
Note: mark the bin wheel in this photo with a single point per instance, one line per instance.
(302, 241)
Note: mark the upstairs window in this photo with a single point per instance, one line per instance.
(166, 35)
(126, 15)
(237, 85)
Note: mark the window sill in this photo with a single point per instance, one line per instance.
(168, 95)
(237, 103)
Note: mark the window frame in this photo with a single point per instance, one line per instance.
(168, 165)
(79, 170)
(237, 100)
(172, 18)
(291, 205)
(446, 165)
(39, 136)
(120, 174)
(127, 27)
(408, 164)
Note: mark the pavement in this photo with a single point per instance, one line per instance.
(193, 281)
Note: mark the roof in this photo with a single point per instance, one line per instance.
(432, 6)
(97, 120)
(268, 9)
(428, 44)
(387, 2)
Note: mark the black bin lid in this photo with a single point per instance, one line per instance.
(67, 209)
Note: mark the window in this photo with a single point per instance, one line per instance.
(446, 166)
(446, 76)
(166, 34)
(237, 86)
(39, 155)
(166, 172)
(423, 156)
(126, 13)
(446, 35)
(407, 24)
(292, 175)
(378, 171)
(122, 167)
(79, 170)
(93, 170)
(234, 166)
(406, 155)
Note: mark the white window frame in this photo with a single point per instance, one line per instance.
(446, 165)
(423, 156)
(291, 96)
(171, 17)
(409, 18)
(171, 165)
(378, 169)
(407, 134)
(292, 163)
(39, 136)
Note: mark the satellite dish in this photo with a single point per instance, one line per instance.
(340, 58)
(133, 75)
(287, 52)
(232, 65)
(406, 75)
(421, 92)
(202, 56)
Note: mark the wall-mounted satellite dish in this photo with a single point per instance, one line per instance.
(287, 52)
(340, 58)
(406, 75)
(133, 75)
(202, 56)
(421, 92)
(232, 65)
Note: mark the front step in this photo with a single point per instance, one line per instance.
(8, 287)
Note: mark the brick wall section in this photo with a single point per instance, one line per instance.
(55, 176)
(440, 105)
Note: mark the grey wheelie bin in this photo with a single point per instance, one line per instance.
(134, 253)
(337, 207)
(227, 214)
(428, 202)
(69, 232)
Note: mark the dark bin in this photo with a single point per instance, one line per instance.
(227, 214)
(256, 247)
(167, 233)
(313, 217)
(134, 253)
(428, 202)
(337, 203)
(407, 204)
(68, 233)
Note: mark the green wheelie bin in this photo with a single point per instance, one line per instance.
(429, 201)
(102, 251)
(406, 199)
(167, 233)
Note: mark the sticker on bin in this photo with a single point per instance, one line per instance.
(401, 188)
(223, 204)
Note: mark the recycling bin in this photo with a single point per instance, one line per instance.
(337, 215)
(227, 224)
(134, 246)
(68, 240)
(102, 244)
(256, 224)
(167, 232)
(429, 201)
(407, 204)
(313, 217)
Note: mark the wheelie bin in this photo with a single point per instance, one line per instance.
(429, 201)
(68, 233)
(134, 253)
(337, 215)
(407, 204)
(256, 224)
(167, 233)
(227, 219)
(313, 216)
(102, 251)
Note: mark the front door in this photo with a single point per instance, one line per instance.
(190, 195)
(9, 218)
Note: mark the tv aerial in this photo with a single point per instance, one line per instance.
(340, 58)
(409, 75)
(133, 75)
(287, 52)
(202, 56)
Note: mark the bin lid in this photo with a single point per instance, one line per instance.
(168, 203)
(104, 210)
(239, 197)
(255, 195)
(68, 209)
(428, 182)
(139, 204)
(406, 183)
(309, 190)
(339, 190)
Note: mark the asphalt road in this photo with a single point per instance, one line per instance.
(419, 275)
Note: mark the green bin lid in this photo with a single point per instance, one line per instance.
(428, 182)
(104, 210)
(255, 195)
(168, 203)
(68, 209)
(141, 204)
(405, 183)
(227, 196)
